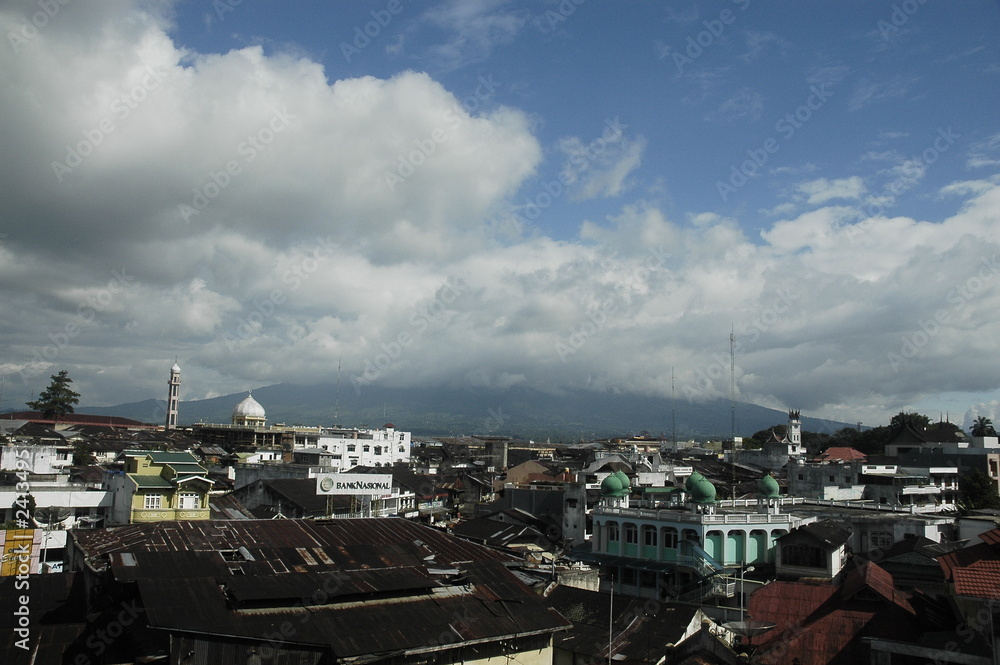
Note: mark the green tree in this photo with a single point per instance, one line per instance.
(979, 491)
(983, 427)
(915, 420)
(58, 399)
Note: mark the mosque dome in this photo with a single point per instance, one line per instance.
(248, 408)
(693, 479)
(626, 483)
(175, 368)
(612, 486)
(767, 487)
(702, 491)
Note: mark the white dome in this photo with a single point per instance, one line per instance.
(175, 368)
(248, 408)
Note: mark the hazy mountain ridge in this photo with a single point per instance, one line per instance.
(522, 412)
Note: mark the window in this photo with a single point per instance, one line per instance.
(151, 501)
(800, 477)
(402, 449)
(670, 537)
(831, 479)
(881, 539)
(351, 447)
(366, 448)
(613, 531)
(649, 536)
(189, 501)
(631, 534)
(378, 450)
(802, 555)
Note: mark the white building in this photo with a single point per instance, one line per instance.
(361, 447)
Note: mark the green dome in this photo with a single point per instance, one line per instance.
(694, 478)
(612, 486)
(626, 483)
(702, 491)
(767, 487)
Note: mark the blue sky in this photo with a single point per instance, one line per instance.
(486, 193)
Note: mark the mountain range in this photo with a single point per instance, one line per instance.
(520, 412)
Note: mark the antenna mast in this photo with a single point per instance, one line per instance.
(732, 384)
(336, 403)
(673, 413)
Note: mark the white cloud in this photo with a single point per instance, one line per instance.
(822, 190)
(311, 253)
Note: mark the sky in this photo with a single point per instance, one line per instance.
(566, 195)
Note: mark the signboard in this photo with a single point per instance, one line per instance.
(20, 549)
(363, 484)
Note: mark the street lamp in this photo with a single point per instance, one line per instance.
(745, 569)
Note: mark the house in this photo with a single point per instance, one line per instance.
(819, 549)
(304, 591)
(626, 631)
(156, 486)
(973, 578)
(828, 623)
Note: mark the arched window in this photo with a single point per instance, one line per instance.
(669, 536)
(649, 536)
(613, 531)
(692, 535)
(631, 534)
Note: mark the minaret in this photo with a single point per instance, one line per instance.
(794, 429)
(173, 395)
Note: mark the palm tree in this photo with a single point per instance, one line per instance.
(983, 427)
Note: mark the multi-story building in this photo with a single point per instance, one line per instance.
(157, 486)
(674, 548)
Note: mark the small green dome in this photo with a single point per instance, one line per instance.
(767, 487)
(703, 491)
(626, 483)
(692, 480)
(612, 486)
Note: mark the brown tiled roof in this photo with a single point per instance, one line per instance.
(980, 580)
(823, 624)
(845, 453)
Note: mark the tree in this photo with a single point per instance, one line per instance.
(983, 427)
(979, 491)
(916, 420)
(58, 399)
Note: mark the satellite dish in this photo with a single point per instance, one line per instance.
(748, 628)
(52, 515)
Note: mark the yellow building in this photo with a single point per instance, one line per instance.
(157, 486)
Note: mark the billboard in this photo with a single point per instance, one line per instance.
(364, 484)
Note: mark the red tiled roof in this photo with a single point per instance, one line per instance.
(980, 580)
(991, 537)
(822, 624)
(845, 453)
(871, 576)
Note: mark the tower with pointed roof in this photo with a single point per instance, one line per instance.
(173, 396)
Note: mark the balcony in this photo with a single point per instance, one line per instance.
(140, 516)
